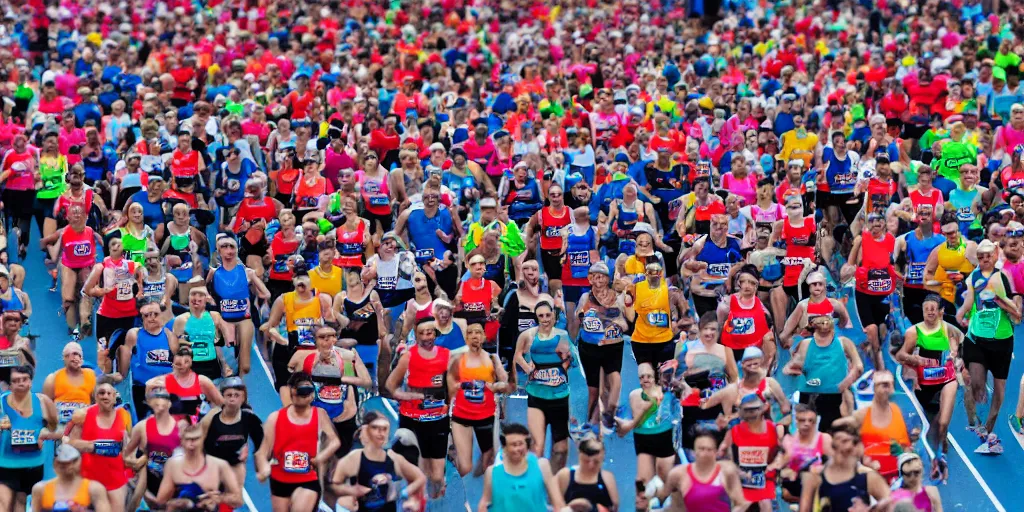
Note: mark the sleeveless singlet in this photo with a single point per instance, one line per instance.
(653, 314)
(300, 319)
(78, 250)
(552, 227)
(80, 500)
(474, 400)
(232, 290)
(549, 380)
(745, 326)
(596, 493)
(69, 398)
(708, 495)
(874, 275)
(294, 446)
(160, 447)
(331, 393)
(380, 477)
(105, 464)
(428, 376)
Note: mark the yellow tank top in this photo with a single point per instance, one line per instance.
(951, 260)
(653, 314)
(634, 267)
(329, 282)
(81, 498)
(484, 373)
(68, 397)
(303, 315)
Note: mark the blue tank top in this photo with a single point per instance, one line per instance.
(201, 333)
(458, 184)
(841, 176)
(599, 324)
(454, 340)
(232, 288)
(526, 202)
(518, 493)
(331, 393)
(549, 380)
(720, 259)
(19, 445)
(823, 366)
(152, 356)
(625, 222)
(962, 201)
(14, 303)
(423, 233)
(152, 213)
(917, 256)
(577, 252)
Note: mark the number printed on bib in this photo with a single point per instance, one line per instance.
(657, 319)
(296, 462)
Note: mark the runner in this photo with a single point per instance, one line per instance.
(77, 248)
(705, 484)
(912, 489)
(707, 367)
(100, 432)
(551, 222)
(589, 486)
(292, 437)
(647, 303)
(844, 482)
(711, 265)
(993, 315)
(477, 376)
(116, 282)
(601, 314)
(196, 481)
(433, 253)
(746, 325)
(800, 237)
(756, 451)
(826, 365)
(477, 298)
(816, 304)
(302, 310)
(27, 419)
(882, 426)
(913, 250)
(423, 406)
(147, 353)
(71, 388)
(158, 285)
(580, 250)
(652, 423)
(872, 255)
(197, 329)
(232, 284)
(805, 450)
(948, 267)
(932, 350)
(227, 430)
(68, 489)
(755, 381)
(157, 436)
(190, 388)
(522, 481)
(547, 387)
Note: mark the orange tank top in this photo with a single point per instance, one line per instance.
(80, 499)
(878, 439)
(474, 401)
(69, 397)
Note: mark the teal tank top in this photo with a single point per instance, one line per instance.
(824, 367)
(525, 492)
(549, 380)
(19, 445)
(660, 419)
(965, 217)
(202, 332)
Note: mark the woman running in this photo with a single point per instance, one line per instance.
(588, 486)
(817, 304)
(653, 414)
(477, 376)
(100, 432)
(744, 319)
(228, 429)
(77, 247)
(353, 236)
(301, 310)
(116, 282)
(708, 367)
(707, 484)
(190, 388)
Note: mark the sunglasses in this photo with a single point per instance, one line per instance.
(304, 391)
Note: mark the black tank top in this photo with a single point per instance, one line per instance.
(840, 496)
(224, 441)
(361, 312)
(379, 477)
(596, 493)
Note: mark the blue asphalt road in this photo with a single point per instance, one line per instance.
(977, 482)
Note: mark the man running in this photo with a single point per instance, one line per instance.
(197, 329)
(196, 481)
(827, 364)
(872, 256)
(23, 416)
(648, 303)
(157, 436)
(231, 285)
(521, 481)
(147, 350)
(912, 252)
(69, 489)
(882, 426)
(755, 450)
(71, 387)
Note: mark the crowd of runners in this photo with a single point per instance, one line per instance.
(440, 207)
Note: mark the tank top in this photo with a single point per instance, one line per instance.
(185, 165)
(179, 246)
(800, 242)
(300, 318)
(393, 286)
(963, 205)
(350, 246)
(708, 374)
(549, 380)
(19, 445)
(474, 400)
(20, 180)
(752, 453)
(518, 493)
(363, 321)
(378, 477)
(823, 308)
(987, 319)
(951, 260)
(427, 376)
(874, 275)
(841, 494)
(745, 326)
(825, 366)
(767, 217)
(601, 324)
(879, 194)
(282, 249)
(308, 196)
(201, 333)
(190, 396)
(232, 290)
(159, 446)
(802, 454)
(459, 184)
(918, 252)
(51, 172)
(81, 498)
(877, 440)
(375, 195)
(934, 346)
(596, 493)
(78, 250)
(331, 393)
(653, 314)
(294, 446)
(933, 198)
(552, 227)
(477, 295)
(329, 283)
(105, 464)
(709, 495)
(841, 177)
(659, 415)
(577, 257)
(14, 303)
(625, 221)
(119, 302)
(152, 355)
(135, 247)
(423, 233)
(252, 209)
(719, 259)
(225, 440)
(921, 501)
(69, 398)
(454, 339)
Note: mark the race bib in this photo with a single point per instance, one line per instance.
(67, 409)
(296, 462)
(474, 307)
(934, 373)
(742, 326)
(879, 280)
(984, 322)
(9, 360)
(915, 273)
(281, 265)
(379, 200)
(432, 403)
(329, 394)
(549, 377)
(423, 255)
(156, 462)
(526, 323)
(81, 249)
(305, 335)
(106, 448)
(24, 440)
(553, 232)
(202, 350)
(350, 249)
(657, 319)
(158, 357)
(124, 291)
(592, 324)
(473, 391)
(790, 261)
(234, 185)
(719, 269)
(718, 381)
(752, 461)
(675, 206)
(234, 306)
(965, 214)
(387, 283)
(752, 478)
(846, 179)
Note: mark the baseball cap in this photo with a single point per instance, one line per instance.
(600, 268)
(488, 202)
(986, 246)
(66, 453)
(751, 353)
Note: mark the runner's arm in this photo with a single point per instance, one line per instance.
(263, 454)
(731, 482)
(326, 430)
(98, 496)
(555, 498)
(485, 498)
(856, 365)
(809, 489)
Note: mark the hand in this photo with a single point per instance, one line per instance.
(792, 370)
(361, 490)
(263, 475)
(116, 376)
(960, 320)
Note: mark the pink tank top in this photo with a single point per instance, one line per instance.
(375, 193)
(920, 500)
(707, 496)
(22, 177)
(78, 250)
(772, 214)
(803, 453)
(1016, 273)
(743, 187)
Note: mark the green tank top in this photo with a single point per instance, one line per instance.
(201, 333)
(134, 248)
(180, 242)
(987, 319)
(52, 171)
(937, 341)
(656, 419)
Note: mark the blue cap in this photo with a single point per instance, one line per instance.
(751, 401)
(572, 179)
(622, 157)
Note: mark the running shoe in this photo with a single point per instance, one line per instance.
(1015, 425)
(607, 424)
(995, 445)
(940, 469)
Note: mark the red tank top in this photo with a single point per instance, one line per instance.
(477, 295)
(552, 228)
(427, 375)
(105, 464)
(744, 327)
(286, 180)
(78, 249)
(190, 199)
(875, 274)
(65, 201)
(253, 209)
(294, 446)
(189, 392)
(308, 196)
(799, 247)
(753, 452)
(159, 446)
(119, 302)
(281, 250)
(879, 194)
(705, 212)
(934, 198)
(350, 246)
(185, 166)
(824, 307)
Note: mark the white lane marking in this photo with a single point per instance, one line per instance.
(956, 446)
(247, 500)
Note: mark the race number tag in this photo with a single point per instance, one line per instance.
(106, 448)
(296, 462)
(553, 232)
(124, 290)
(473, 391)
(67, 409)
(379, 200)
(24, 440)
(234, 306)
(158, 357)
(549, 377)
(657, 319)
(329, 394)
(156, 462)
(742, 326)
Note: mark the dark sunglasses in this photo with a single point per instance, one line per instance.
(304, 391)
